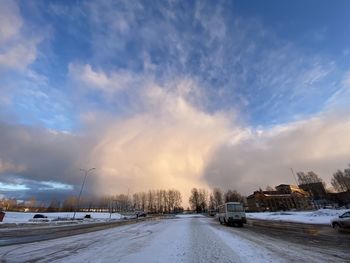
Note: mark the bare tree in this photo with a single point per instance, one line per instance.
(211, 202)
(69, 204)
(194, 200)
(8, 204)
(309, 178)
(198, 200)
(203, 199)
(143, 201)
(151, 201)
(122, 202)
(233, 196)
(218, 197)
(341, 180)
(174, 199)
(32, 203)
(136, 201)
(53, 206)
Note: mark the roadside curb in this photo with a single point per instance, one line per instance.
(311, 229)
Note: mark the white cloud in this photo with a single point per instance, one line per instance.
(99, 80)
(346, 80)
(13, 187)
(265, 157)
(166, 146)
(20, 55)
(212, 21)
(10, 21)
(51, 185)
(17, 49)
(339, 101)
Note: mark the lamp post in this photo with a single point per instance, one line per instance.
(86, 172)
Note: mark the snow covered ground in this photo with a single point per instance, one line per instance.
(22, 218)
(322, 216)
(184, 239)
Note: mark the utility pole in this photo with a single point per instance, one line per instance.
(86, 172)
(294, 176)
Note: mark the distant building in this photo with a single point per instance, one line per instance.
(285, 197)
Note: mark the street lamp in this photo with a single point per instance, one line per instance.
(86, 172)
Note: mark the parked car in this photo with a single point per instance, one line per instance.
(212, 212)
(39, 216)
(140, 214)
(342, 221)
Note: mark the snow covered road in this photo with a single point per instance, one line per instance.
(186, 239)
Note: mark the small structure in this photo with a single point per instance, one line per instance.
(2, 215)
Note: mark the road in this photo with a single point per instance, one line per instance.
(185, 239)
(26, 234)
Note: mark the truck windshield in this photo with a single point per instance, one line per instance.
(234, 208)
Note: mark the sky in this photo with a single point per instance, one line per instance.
(171, 94)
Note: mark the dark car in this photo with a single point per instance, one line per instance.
(36, 216)
(141, 214)
(342, 221)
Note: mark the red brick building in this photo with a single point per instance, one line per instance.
(285, 197)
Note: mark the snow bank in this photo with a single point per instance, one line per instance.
(322, 216)
(22, 218)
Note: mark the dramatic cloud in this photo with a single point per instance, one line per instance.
(166, 146)
(172, 143)
(31, 155)
(264, 157)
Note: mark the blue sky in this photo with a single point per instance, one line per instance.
(267, 60)
(70, 66)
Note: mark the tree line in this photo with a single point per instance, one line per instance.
(201, 200)
(152, 201)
